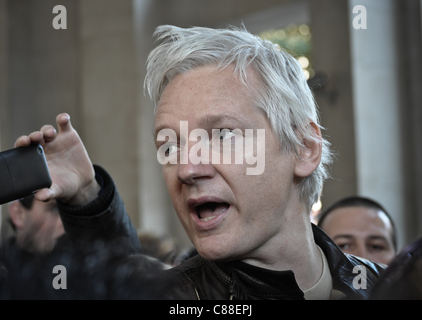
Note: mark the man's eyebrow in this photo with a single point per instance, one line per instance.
(214, 120)
(347, 236)
(208, 121)
(378, 238)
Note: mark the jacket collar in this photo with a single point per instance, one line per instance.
(247, 281)
(342, 267)
(250, 282)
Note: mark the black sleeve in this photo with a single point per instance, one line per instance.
(104, 219)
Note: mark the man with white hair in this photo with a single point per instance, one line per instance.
(249, 104)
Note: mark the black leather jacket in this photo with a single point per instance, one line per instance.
(201, 279)
(106, 219)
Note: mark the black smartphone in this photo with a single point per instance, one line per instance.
(23, 171)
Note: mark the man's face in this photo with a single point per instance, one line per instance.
(361, 231)
(42, 226)
(226, 213)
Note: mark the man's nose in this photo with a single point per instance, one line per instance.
(189, 173)
(361, 251)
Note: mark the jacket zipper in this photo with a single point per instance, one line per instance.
(232, 291)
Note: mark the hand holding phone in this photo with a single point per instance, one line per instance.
(71, 170)
(23, 171)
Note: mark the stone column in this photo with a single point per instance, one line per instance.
(377, 109)
(331, 60)
(108, 91)
(157, 213)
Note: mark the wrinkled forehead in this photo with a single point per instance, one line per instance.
(221, 78)
(210, 88)
(244, 69)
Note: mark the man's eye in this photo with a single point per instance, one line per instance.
(376, 247)
(344, 246)
(226, 134)
(170, 150)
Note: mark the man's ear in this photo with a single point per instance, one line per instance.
(310, 154)
(17, 214)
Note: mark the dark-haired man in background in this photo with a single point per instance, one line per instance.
(362, 227)
(37, 224)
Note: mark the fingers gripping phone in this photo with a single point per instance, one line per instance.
(23, 171)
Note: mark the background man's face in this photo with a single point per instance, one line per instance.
(226, 213)
(41, 227)
(363, 232)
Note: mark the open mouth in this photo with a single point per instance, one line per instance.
(209, 210)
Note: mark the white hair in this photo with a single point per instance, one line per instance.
(284, 95)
